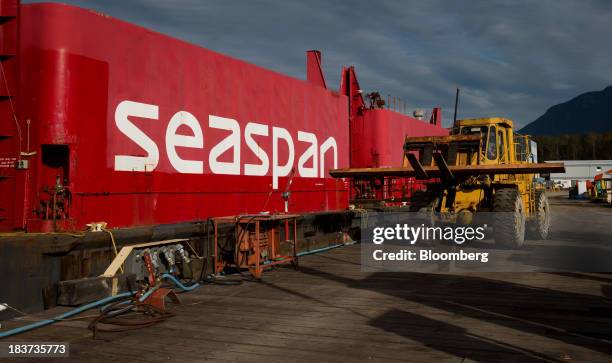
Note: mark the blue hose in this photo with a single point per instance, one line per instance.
(323, 249)
(152, 290)
(312, 252)
(68, 314)
(180, 284)
(148, 293)
(141, 299)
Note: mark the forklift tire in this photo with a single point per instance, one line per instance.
(539, 226)
(509, 218)
(424, 203)
(421, 199)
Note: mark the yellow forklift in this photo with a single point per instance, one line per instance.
(482, 166)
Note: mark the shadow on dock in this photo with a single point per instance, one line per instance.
(577, 319)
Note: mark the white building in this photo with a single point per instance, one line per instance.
(579, 171)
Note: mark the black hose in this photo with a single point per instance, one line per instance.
(111, 316)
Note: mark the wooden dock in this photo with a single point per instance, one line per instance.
(330, 311)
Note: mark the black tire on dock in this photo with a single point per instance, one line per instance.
(425, 203)
(539, 225)
(421, 199)
(509, 218)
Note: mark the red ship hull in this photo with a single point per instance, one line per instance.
(144, 129)
(120, 124)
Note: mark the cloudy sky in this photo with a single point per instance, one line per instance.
(510, 58)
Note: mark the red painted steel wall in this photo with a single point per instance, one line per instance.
(11, 197)
(78, 68)
(377, 137)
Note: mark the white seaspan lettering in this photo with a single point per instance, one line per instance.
(136, 109)
(311, 162)
(173, 140)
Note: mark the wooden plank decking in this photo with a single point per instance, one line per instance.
(331, 311)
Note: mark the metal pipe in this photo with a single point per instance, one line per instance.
(456, 105)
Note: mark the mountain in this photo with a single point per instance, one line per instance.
(588, 112)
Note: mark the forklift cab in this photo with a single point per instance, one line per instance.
(496, 139)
